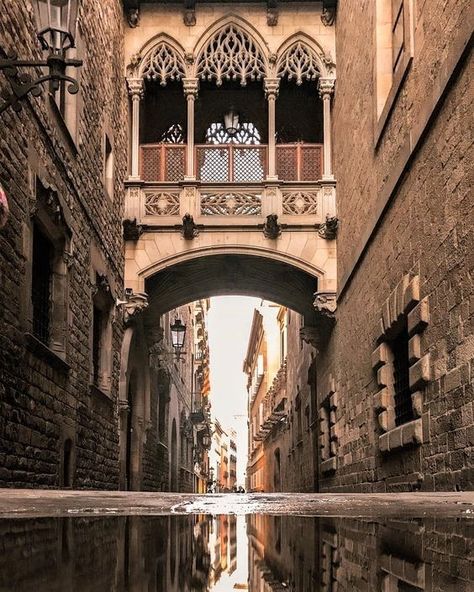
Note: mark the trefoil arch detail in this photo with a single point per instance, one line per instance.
(301, 59)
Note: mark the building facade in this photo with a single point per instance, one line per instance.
(226, 183)
(282, 453)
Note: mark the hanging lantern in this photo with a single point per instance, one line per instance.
(57, 24)
(178, 333)
(231, 122)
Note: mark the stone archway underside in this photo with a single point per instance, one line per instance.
(225, 274)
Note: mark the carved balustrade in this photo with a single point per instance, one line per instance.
(227, 204)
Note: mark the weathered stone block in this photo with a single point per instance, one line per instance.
(383, 399)
(411, 296)
(417, 402)
(414, 349)
(420, 373)
(329, 465)
(380, 356)
(419, 317)
(385, 376)
(412, 432)
(386, 419)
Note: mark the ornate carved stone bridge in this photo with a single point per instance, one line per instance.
(246, 207)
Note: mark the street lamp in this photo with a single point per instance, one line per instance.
(178, 333)
(57, 22)
(231, 122)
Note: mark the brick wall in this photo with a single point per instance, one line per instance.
(40, 402)
(426, 231)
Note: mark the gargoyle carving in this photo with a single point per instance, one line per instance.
(272, 228)
(131, 230)
(189, 229)
(328, 230)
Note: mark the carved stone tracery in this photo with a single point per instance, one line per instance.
(299, 62)
(298, 203)
(162, 203)
(233, 203)
(163, 64)
(231, 55)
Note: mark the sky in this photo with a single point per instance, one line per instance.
(229, 321)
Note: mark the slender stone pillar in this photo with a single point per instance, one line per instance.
(135, 90)
(271, 92)
(326, 90)
(191, 87)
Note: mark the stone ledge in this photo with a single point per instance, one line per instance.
(412, 573)
(408, 434)
(42, 351)
(329, 465)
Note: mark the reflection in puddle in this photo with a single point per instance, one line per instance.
(259, 553)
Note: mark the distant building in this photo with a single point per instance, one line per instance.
(223, 459)
(281, 403)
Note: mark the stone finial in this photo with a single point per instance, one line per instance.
(328, 230)
(272, 228)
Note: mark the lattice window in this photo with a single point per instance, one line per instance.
(249, 165)
(299, 162)
(213, 164)
(286, 163)
(163, 64)
(174, 165)
(42, 273)
(300, 202)
(231, 204)
(224, 164)
(231, 55)
(173, 135)
(163, 162)
(299, 62)
(161, 203)
(247, 134)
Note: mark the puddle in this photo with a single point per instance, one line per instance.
(259, 553)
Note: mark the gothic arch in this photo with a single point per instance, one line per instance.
(161, 59)
(302, 58)
(231, 49)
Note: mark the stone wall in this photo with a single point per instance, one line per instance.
(406, 213)
(46, 398)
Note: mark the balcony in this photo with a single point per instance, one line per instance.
(230, 185)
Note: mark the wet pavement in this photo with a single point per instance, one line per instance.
(64, 541)
(25, 502)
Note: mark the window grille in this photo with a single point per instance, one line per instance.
(246, 134)
(97, 329)
(41, 285)
(401, 365)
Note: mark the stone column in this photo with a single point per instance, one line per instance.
(135, 90)
(190, 86)
(271, 92)
(326, 90)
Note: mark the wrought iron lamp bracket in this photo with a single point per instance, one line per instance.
(23, 84)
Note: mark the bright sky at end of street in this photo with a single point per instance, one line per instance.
(229, 322)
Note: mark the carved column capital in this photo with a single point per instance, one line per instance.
(136, 88)
(326, 87)
(190, 87)
(272, 86)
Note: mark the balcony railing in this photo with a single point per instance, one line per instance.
(231, 163)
